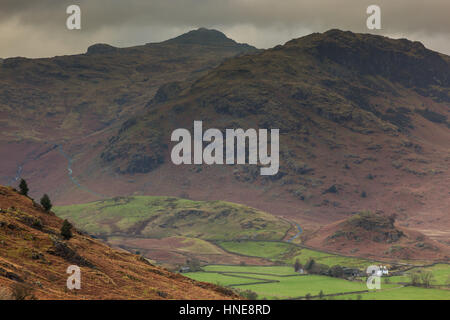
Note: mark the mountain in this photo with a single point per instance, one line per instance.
(64, 106)
(363, 124)
(34, 258)
(207, 37)
(363, 119)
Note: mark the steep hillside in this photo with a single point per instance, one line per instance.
(34, 255)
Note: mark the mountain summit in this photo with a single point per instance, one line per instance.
(203, 36)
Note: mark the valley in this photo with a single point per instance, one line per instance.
(361, 177)
(258, 259)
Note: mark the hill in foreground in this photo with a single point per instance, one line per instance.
(34, 255)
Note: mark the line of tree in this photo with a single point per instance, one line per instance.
(421, 278)
(46, 203)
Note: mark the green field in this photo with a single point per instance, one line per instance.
(441, 275)
(220, 279)
(278, 270)
(403, 293)
(277, 282)
(281, 282)
(264, 249)
(157, 217)
(288, 253)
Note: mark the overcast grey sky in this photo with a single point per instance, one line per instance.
(38, 28)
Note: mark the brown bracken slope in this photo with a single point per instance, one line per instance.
(33, 254)
(374, 235)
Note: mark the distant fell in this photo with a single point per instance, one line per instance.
(203, 36)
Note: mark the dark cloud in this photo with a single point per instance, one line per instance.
(37, 28)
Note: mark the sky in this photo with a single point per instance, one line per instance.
(31, 28)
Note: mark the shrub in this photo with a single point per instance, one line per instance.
(414, 278)
(5, 294)
(249, 294)
(46, 203)
(66, 230)
(162, 294)
(23, 187)
(332, 189)
(336, 271)
(421, 278)
(426, 277)
(22, 291)
(37, 224)
(363, 194)
(194, 265)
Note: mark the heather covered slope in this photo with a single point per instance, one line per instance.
(32, 253)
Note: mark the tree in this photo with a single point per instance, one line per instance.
(426, 277)
(297, 265)
(23, 187)
(22, 292)
(248, 294)
(337, 271)
(46, 203)
(66, 230)
(310, 264)
(194, 265)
